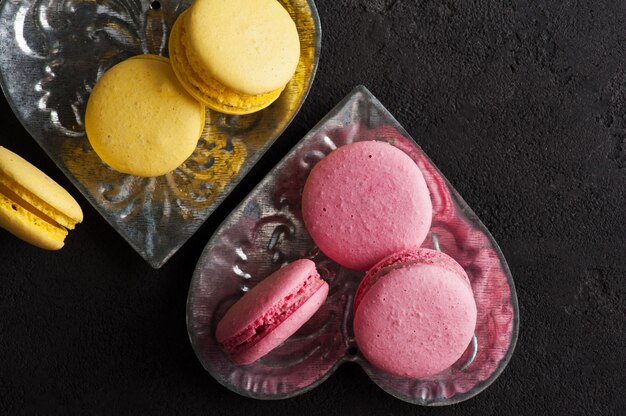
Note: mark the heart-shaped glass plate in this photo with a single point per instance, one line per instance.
(51, 54)
(266, 231)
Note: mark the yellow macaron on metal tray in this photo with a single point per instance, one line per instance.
(52, 53)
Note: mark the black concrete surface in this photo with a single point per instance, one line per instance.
(522, 104)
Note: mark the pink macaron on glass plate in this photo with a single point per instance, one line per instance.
(51, 54)
(266, 231)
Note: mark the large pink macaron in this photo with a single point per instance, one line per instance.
(271, 312)
(414, 313)
(365, 201)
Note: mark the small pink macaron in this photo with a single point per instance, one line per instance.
(271, 312)
(365, 201)
(414, 313)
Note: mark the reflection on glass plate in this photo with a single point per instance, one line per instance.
(51, 54)
(266, 231)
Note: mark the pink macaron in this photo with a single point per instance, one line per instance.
(414, 313)
(271, 312)
(365, 201)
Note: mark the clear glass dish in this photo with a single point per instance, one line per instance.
(266, 231)
(51, 54)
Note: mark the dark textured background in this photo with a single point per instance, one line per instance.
(522, 104)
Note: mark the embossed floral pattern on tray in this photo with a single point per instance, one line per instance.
(266, 231)
(51, 54)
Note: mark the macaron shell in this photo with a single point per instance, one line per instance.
(38, 189)
(408, 258)
(202, 86)
(365, 201)
(266, 294)
(140, 120)
(250, 46)
(286, 329)
(28, 227)
(415, 322)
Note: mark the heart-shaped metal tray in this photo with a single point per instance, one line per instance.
(51, 54)
(266, 231)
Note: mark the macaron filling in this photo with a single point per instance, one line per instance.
(19, 196)
(55, 231)
(273, 317)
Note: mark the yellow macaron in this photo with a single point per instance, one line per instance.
(33, 207)
(140, 120)
(235, 56)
